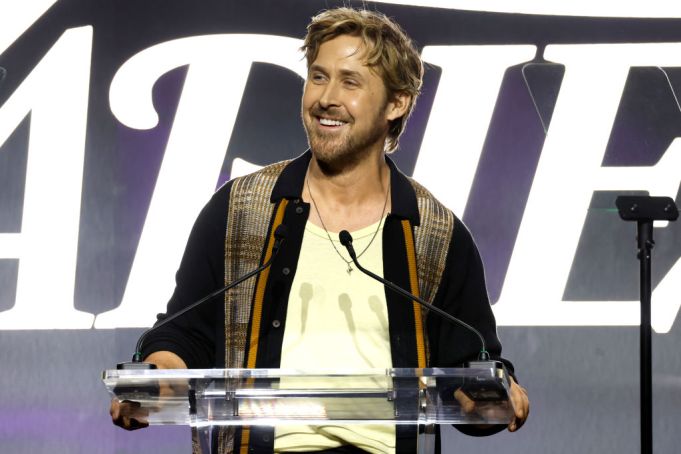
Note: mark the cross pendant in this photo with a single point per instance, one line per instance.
(349, 270)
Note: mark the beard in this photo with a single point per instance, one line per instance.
(335, 152)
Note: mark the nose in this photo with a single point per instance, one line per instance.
(329, 96)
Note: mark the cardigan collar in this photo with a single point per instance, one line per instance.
(292, 179)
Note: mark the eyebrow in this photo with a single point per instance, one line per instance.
(344, 72)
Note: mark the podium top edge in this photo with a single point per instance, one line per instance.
(279, 373)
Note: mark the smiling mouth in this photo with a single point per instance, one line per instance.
(329, 122)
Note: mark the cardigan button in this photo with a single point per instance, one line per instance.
(286, 271)
(276, 323)
(299, 210)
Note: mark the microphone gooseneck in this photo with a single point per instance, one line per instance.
(279, 237)
(346, 240)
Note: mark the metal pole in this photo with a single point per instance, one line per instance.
(645, 246)
(644, 210)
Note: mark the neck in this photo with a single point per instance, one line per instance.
(350, 199)
(352, 185)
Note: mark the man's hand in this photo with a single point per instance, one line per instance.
(518, 398)
(521, 406)
(128, 414)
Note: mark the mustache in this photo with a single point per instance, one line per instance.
(333, 113)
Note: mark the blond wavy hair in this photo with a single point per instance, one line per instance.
(389, 51)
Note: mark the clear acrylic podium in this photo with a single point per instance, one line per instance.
(208, 398)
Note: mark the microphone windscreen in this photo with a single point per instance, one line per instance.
(345, 238)
(280, 232)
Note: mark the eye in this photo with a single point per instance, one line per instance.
(351, 83)
(317, 77)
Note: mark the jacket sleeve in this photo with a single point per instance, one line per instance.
(463, 294)
(193, 335)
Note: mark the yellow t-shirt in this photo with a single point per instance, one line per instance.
(336, 319)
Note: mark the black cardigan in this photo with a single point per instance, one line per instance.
(198, 336)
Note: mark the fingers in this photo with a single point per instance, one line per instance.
(115, 410)
(467, 404)
(521, 406)
(125, 415)
(133, 424)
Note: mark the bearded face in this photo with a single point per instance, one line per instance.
(345, 109)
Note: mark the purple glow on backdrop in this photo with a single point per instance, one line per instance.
(647, 121)
(141, 152)
(60, 427)
(504, 177)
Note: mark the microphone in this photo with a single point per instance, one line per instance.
(346, 240)
(279, 237)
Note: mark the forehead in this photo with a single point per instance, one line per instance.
(343, 50)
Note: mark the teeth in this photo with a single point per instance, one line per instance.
(327, 122)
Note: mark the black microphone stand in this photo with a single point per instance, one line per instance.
(473, 390)
(137, 363)
(644, 210)
(346, 240)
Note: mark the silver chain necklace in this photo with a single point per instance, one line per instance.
(328, 235)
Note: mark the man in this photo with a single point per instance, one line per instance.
(364, 76)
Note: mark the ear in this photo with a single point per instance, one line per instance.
(398, 106)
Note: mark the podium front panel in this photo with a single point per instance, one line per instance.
(214, 397)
